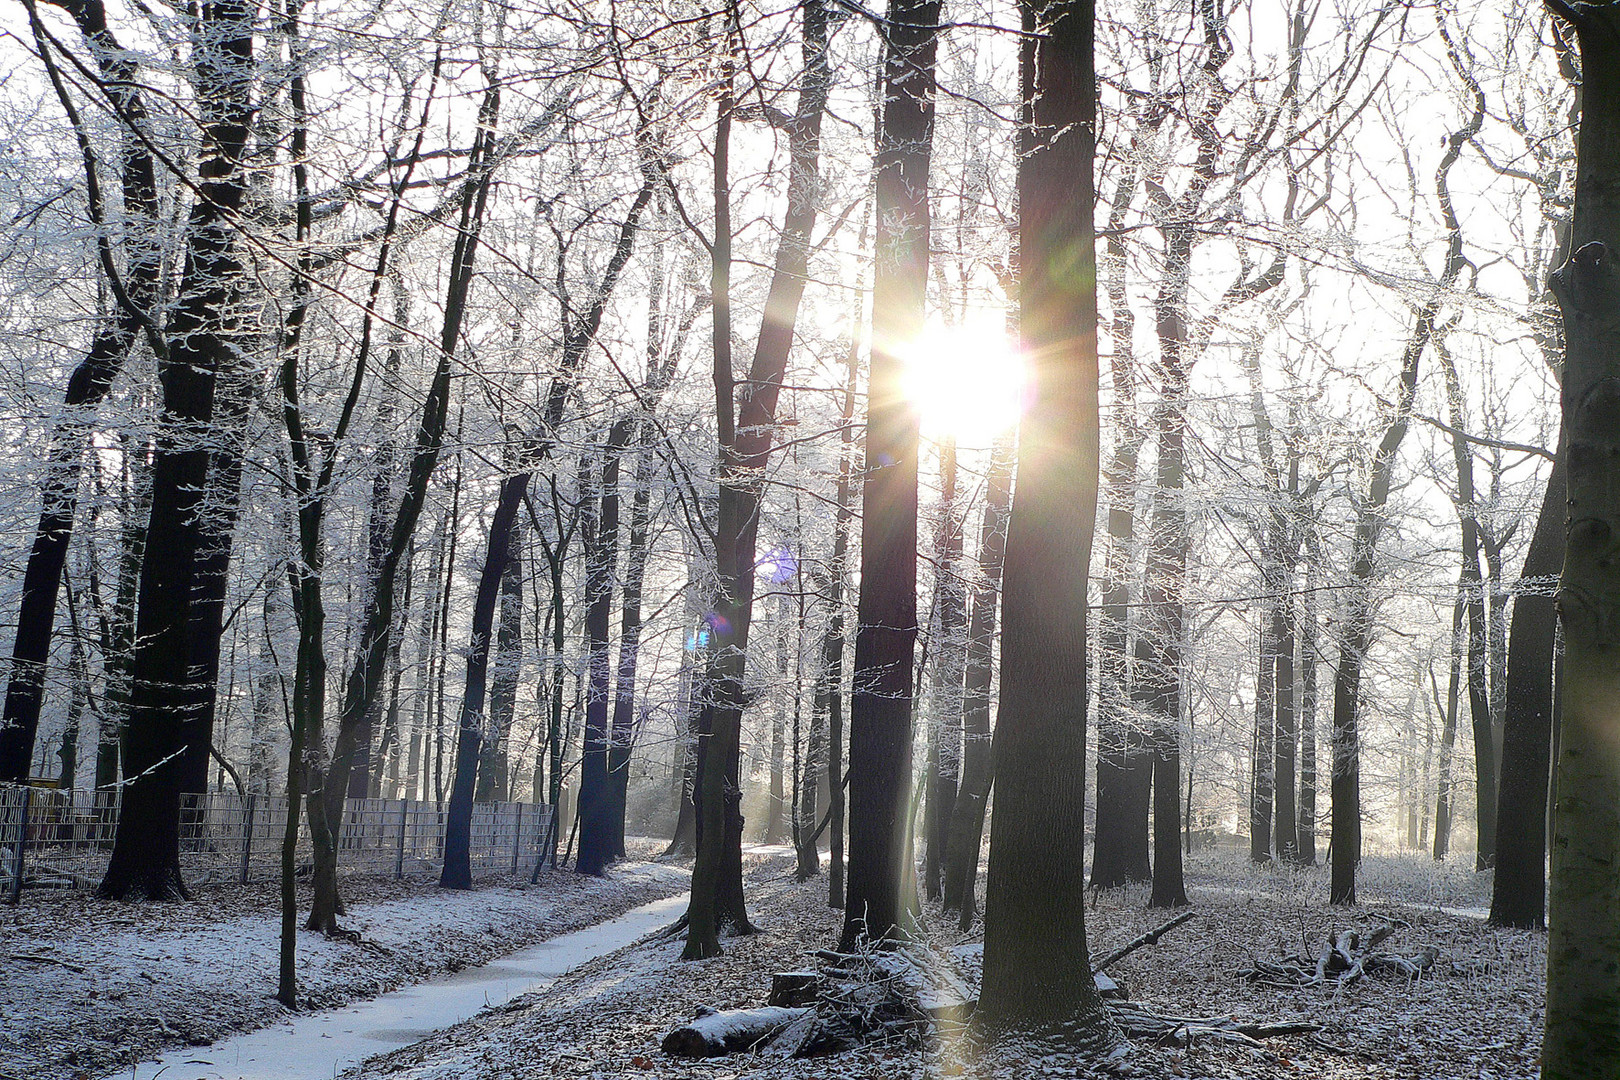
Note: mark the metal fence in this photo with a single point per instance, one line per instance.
(62, 839)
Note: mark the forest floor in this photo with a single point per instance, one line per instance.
(90, 986)
(1479, 1019)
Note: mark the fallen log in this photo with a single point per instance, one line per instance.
(1140, 1023)
(715, 1033)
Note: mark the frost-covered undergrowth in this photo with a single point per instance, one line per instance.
(1481, 1017)
(88, 986)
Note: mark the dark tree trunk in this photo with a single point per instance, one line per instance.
(945, 726)
(1518, 892)
(599, 528)
(364, 772)
(238, 390)
(622, 735)
(201, 339)
(1448, 736)
(776, 803)
(684, 841)
(1357, 624)
(1345, 840)
(886, 612)
(1160, 639)
(746, 430)
(1582, 1037)
(1124, 763)
(806, 769)
(1308, 698)
(494, 764)
(457, 872)
(967, 825)
(1262, 760)
(1037, 974)
(135, 509)
(1286, 825)
(1472, 584)
(829, 682)
(87, 387)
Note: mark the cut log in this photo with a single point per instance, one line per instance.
(715, 1033)
(793, 988)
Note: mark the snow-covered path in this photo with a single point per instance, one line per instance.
(318, 1046)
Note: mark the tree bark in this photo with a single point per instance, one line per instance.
(1306, 830)
(578, 334)
(1037, 975)
(886, 610)
(201, 338)
(1124, 763)
(746, 430)
(1286, 823)
(599, 528)
(1518, 891)
(950, 661)
(1583, 949)
(967, 825)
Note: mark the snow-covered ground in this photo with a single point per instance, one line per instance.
(1479, 1019)
(88, 987)
(320, 1044)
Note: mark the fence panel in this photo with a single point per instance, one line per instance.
(62, 839)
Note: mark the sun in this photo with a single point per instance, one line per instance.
(966, 381)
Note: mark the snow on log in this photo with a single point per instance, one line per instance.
(714, 1033)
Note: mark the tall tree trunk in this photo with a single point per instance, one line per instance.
(1473, 585)
(806, 770)
(1448, 735)
(201, 338)
(134, 513)
(1308, 698)
(599, 527)
(776, 803)
(1262, 760)
(1037, 974)
(1518, 891)
(494, 764)
(746, 430)
(364, 678)
(422, 681)
(1124, 763)
(886, 611)
(1286, 822)
(829, 681)
(967, 824)
(1357, 625)
(950, 662)
(622, 734)
(1583, 948)
(237, 391)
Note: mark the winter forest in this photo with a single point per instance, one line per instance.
(839, 523)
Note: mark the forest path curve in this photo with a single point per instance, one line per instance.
(319, 1045)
